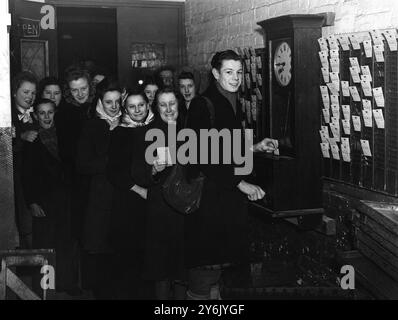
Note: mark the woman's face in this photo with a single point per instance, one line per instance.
(168, 107)
(80, 90)
(187, 89)
(150, 92)
(25, 95)
(53, 92)
(111, 102)
(45, 115)
(137, 108)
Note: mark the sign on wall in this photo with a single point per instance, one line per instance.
(147, 55)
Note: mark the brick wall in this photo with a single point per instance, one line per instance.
(213, 25)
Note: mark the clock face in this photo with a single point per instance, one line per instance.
(283, 64)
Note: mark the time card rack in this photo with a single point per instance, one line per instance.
(359, 109)
(251, 98)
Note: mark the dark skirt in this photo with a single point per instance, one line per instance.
(97, 222)
(164, 258)
(128, 227)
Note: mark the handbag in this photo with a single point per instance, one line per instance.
(179, 192)
(183, 195)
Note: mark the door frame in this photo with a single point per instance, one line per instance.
(180, 6)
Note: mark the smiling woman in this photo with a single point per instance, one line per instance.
(23, 88)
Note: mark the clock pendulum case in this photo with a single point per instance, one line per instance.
(292, 179)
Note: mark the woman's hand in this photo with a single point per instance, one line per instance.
(158, 167)
(267, 145)
(252, 191)
(29, 135)
(142, 192)
(37, 211)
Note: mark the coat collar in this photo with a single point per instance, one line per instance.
(218, 99)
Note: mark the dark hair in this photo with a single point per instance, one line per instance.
(106, 85)
(216, 61)
(186, 75)
(136, 92)
(40, 101)
(20, 78)
(48, 81)
(100, 70)
(166, 68)
(150, 80)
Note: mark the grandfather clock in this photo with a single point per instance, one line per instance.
(292, 178)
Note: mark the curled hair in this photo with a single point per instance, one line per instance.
(73, 74)
(40, 101)
(20, 78)
(219, 57)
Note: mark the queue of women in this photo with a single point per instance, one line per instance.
(81, 173)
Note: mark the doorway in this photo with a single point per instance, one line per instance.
(87, 34)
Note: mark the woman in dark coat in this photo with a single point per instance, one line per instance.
(217, 233)
(128, 215)
(69, 120)
(46, 190)
(164, 254)
(92, 159)
(25, 129)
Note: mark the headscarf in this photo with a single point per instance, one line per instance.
(129, 123)
(112, 121)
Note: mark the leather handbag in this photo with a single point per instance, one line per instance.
(181, 193)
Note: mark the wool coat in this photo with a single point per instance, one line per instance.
(217, 233)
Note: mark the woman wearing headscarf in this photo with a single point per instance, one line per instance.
(128, 217)
(92, 159)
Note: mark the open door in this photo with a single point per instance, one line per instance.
(33, 44)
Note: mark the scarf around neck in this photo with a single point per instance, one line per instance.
(112, 121)
(231, 96)
(49, 139)
(129, 123)
(24, 115)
